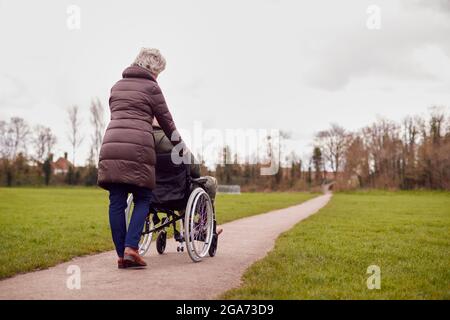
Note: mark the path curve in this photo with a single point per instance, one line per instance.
(169, 276)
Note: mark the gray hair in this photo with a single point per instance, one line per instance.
(152, 60)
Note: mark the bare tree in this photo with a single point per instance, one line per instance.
(356, 160)
(410, 133)
(436, 123)
(98, 121)
(5, 140)
(18, 133)
(433, 154)
(43, 141)
(333, 142)
(385, 146)
(75, 137)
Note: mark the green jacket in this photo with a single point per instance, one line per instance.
(164, 145)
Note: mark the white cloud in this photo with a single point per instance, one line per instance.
(393, 51)
(289, 64)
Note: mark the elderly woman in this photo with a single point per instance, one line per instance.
(127, 156)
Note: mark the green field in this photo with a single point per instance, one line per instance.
(406, 234)
(40, 227)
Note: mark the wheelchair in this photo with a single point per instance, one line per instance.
(178, 197)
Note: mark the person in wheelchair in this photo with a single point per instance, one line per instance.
(170, 178)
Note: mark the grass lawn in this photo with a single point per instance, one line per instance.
(407, 234)
(40, 227)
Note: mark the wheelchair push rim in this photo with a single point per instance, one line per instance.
(199, 224)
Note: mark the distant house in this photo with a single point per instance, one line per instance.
(61, 166)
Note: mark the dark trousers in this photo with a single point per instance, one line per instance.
(118, 194)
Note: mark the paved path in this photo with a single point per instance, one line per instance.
(169, 276)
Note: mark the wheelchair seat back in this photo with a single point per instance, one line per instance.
(172, 183)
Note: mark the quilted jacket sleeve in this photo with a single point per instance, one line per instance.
(162, 114)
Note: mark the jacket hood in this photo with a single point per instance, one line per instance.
(137, 72)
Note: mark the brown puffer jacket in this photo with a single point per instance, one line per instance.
(127, 154)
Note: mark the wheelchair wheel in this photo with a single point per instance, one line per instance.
(198, 224)
(161, 241)
(146, 239)
(213, 248)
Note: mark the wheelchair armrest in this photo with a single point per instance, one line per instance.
(200, 180)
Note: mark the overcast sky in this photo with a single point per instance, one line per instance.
(293, 65)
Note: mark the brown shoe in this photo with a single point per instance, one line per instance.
(132, 259)
(121, 263)
(219, 231)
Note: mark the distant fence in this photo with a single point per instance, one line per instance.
(232, 189)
